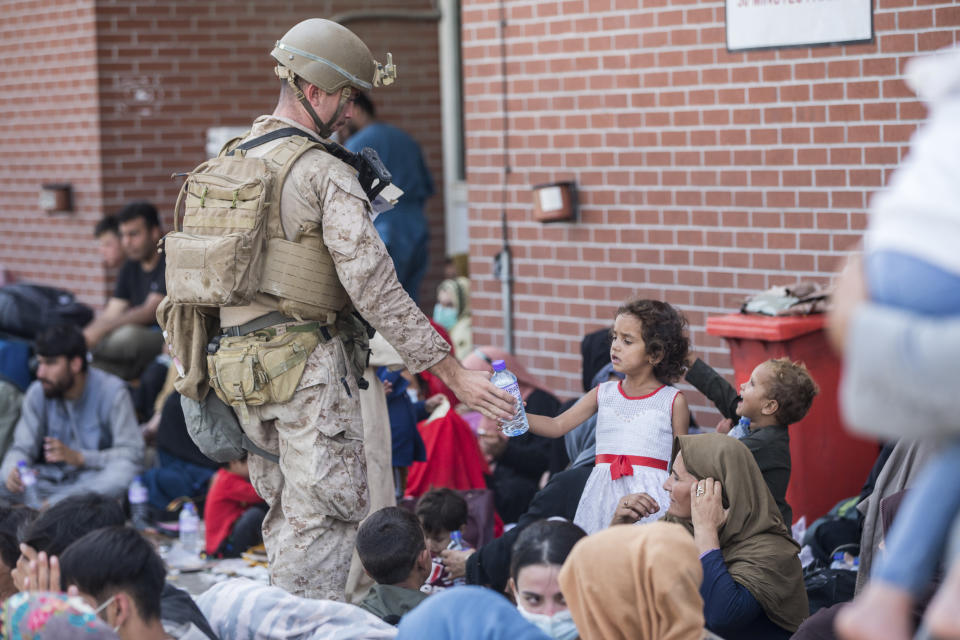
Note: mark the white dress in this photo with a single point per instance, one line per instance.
(626, 426)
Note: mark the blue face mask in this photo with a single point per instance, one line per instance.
(446, 317)
(559, 626)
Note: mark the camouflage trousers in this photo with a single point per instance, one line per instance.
(318, 493)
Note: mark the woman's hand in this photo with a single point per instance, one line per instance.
(456, 561)
(707, 513)
(634, 507)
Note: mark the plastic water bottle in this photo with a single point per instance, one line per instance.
(137, 495)
(508, 382)
(741, 430)
(28, 478)
(190, 529)
(456, 541)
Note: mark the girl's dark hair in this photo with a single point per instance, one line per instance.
(544, 542)
(664, 334)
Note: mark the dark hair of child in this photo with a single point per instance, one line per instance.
(388, 543)
(442, 510)
(664, 336)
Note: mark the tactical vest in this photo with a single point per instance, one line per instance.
(231, 245)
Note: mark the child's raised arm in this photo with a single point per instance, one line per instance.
(566, 421)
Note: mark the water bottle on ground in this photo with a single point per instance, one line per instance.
(190, 529)
(28, 478)
(139, 509)
(508, 382)
(741, 430)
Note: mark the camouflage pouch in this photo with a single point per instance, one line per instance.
(260, 368)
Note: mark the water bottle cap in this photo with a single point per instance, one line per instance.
(22, 463)
(499, 365)
(456, 535)
(744, 422)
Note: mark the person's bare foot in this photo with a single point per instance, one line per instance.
(943, 616)
(881, 612)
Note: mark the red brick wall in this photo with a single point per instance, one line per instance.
(49, 133)
(123, 94)
(703, 175)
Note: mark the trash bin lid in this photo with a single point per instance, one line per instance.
(766, 328)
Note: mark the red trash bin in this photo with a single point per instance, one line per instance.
(828, 463)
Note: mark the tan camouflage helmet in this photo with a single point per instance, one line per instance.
(331, 57)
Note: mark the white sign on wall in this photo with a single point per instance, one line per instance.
(759, 24)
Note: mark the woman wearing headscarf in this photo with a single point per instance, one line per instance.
(52, 616)
(518, 463)
(753, 583)
(467, 613)
(452, 312)
(630, 582)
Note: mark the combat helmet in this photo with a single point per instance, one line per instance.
(332, 58)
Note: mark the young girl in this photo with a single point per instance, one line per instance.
(638, 416)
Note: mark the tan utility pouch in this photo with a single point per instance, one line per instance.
(258, 369)
(215, 258)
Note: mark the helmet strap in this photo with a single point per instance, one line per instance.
(325, 129)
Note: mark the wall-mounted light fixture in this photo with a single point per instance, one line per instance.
(555, 202)
(56, 197)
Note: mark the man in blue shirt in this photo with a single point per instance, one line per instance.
(403, 229)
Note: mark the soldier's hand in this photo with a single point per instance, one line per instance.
(14, 485)
(476, 390)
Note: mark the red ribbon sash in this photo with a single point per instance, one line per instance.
(623, 465)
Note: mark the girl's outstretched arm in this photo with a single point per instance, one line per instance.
(566, 421)
(681, 415)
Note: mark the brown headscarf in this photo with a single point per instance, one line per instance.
(630, 582)
(757, 547)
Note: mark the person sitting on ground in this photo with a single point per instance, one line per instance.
(467, 613)
(180, 469)
(452, 312)
(77, 428)
(233, 512)
(777, 394)
(753, 583)
(125, 337)
(242, 609)
(441, 512)
(117, 571)
(539, 553)
(11, 520)
(46, 615)
(47, 537)
(635, 582)
(391, 546)
(11, 399)
(518, 463)
(107, 233)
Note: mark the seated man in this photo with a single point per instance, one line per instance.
(125, 338)
(393, 552)
(119, 573)
(107, 233)
(76, 429)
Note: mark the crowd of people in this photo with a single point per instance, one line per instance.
(376, 474)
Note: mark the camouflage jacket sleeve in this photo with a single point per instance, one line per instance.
(367, 273)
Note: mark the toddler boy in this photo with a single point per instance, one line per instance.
(442, 512)
(777, 394)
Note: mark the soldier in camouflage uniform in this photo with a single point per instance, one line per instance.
(317, 493)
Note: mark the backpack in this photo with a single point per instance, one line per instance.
(230, 204)
(26, 310)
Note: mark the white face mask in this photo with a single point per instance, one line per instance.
(559, 626)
